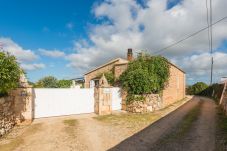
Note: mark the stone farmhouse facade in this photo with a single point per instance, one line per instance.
(175, 89)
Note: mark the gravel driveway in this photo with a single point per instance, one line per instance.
(85, 132)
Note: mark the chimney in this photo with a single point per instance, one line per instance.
(130, 55)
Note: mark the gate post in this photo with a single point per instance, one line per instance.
(103, 97)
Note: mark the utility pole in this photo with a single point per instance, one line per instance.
(211, 45)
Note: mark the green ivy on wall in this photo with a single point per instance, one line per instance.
(147, 74)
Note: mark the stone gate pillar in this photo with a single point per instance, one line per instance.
(23, 101)
(103, 97)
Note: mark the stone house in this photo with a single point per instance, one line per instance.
(175, 90)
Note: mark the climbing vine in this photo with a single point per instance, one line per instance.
(147, 74)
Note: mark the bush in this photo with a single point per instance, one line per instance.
(9, 73)
(47, 82)
(197, 88)
(147, 74)
(64, 83)
(214, 91)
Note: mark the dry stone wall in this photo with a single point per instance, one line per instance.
(15, 109)
(7, 115)
(151, 103)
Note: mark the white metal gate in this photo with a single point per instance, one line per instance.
(57, 102)
(116, 99)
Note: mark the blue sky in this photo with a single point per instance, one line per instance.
(48, 24)
(67, 38)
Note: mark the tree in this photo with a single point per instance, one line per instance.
(9, 73)
(64, 83)
(147, 74)
(197, 88)
(47, 82)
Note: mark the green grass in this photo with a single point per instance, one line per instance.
(221, 135)
(70, 126)
(16, 142)
(70, 122)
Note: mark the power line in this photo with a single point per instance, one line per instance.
(189, 36)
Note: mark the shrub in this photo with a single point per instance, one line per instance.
(9, 73)
(147, 74)
(47, 82)
(64, 83)
(214, 91)
(197, 88)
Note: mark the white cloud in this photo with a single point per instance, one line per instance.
(120, 28)
(22, 55)
(51, 53)
(32, 66)
(198, 66)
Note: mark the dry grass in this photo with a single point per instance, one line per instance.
(19, 140)
(70, 126)
(137, 122)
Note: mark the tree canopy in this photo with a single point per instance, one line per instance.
(9, 73)
(64, 83)
(197, 88)
(47, 82)
(52, 82)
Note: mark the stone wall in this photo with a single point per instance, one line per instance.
(151, 103)
(15, 109)
(175, 88)
(119, 69)
(7, 114)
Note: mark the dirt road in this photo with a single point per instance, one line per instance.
(191, 127)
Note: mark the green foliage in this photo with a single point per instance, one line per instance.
(47, 82)
(214, 91)
(64, 83)
(109, 77)
(147, 74)
(197, 88)
(31, 83)
(131, 98)
(9, 73)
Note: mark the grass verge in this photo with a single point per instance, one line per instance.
(137, 122)
(16, 142)
(221, 135)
